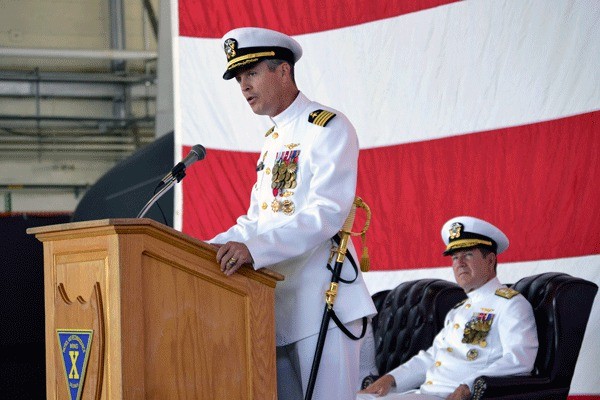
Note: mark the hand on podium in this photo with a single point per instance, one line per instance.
(232, 255)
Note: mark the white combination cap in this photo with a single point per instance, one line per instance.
(464, 232)
(247, 46)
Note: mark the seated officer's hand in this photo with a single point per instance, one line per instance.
(461, 393)
(381, 386)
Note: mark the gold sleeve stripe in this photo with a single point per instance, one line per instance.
(323, 118)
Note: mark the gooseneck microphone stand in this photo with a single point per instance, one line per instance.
(167, 183)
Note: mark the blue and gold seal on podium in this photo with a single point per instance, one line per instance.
(75, 345)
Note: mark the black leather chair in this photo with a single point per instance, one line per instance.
(378, 300)
(561, 305)
(408, 319)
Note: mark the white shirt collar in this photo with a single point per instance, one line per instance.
(489, 287)
(292, 112)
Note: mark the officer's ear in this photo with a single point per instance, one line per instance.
(491, 259)
(285, 69)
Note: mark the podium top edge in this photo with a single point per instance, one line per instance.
(43, 232)
(94, 224)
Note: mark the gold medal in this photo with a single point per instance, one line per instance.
(472, 354)
(275, 205)
(288, 207)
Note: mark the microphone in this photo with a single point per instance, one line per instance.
(197, 153)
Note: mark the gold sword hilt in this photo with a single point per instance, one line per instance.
(346, 230)
(345, 234)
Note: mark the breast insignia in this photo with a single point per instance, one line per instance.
(320, 117)
(507, 293)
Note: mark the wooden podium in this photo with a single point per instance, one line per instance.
(137, 310)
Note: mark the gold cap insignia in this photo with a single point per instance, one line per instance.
(230, 46)
(455, 230)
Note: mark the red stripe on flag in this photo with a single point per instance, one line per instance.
(539, 183)
(583, 397)
(211, 18)
(216, 191)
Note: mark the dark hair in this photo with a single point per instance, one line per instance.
(486, 251)
(272, 64)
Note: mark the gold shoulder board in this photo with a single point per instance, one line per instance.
(269, 131)
(460, 303)
(507, 293)
(320, 117)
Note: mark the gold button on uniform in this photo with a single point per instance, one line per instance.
(467, 306)
(275, 135)
(456, 326)
(429, 383)
(450, 349)
(268, 171)
(438, 363)
(264, 206)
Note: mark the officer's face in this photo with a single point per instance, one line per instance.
(471, 269)
(263, 89)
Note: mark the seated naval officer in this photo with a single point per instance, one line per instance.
(492, 332)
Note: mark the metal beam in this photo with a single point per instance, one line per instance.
(77, 90)
(151, 17)
(87, 54)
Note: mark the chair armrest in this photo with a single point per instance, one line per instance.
(517, 387)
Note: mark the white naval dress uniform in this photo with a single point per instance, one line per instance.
(509, 348)
(289, 230)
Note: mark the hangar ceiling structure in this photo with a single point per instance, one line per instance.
(78, 89)
(75, 100)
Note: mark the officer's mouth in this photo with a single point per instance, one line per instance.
(250, 99)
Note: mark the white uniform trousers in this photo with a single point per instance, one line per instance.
(338, 376)
(411, 395)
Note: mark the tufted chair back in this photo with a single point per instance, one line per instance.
(378, 300)
(410, 317)
(561, 305)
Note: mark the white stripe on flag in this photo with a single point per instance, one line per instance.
(464, 67)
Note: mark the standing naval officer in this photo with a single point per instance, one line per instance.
(492, 332)
(305, 187)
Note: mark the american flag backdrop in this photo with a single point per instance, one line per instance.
(483, 108)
